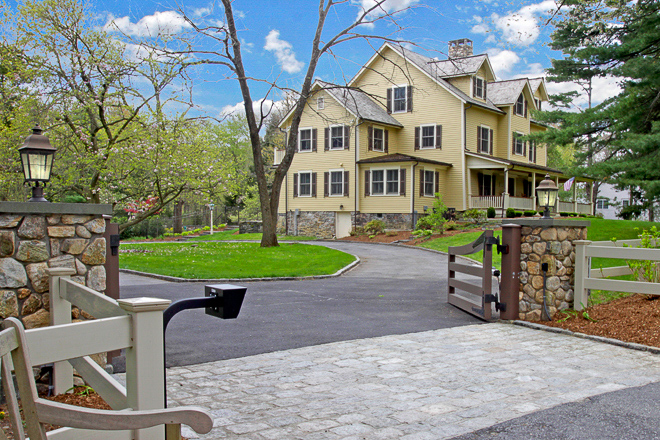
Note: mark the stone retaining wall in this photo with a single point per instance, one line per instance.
(251, 227)
(31, 242)
(392, 221)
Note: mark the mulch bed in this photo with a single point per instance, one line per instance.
(634, 318)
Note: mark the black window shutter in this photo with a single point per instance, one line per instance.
(421, 183)
(525, 107)
(491, 141)
(437, 182)
(326, 190)
(474, 86)
(417, 138)
(525, 148)
(346, 183)
(347, 137)
(367, 175)
(389, 100)
(513, 143)
(327, 139)
(485, 90)
(386, 141)
(478, 139)
(314, 134)
(402, 181)
(295, 185)
(370, 136)
(438, 136)
(313, 184)
(410, 99)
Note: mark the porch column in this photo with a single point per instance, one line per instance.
(534, 190)
(575, 203)
(469, 188)
(591, 201)
(505, 196)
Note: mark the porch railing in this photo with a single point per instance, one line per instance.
(132, 324)
(522, 203)
(485, 202)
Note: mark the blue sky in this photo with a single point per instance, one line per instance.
(276, 38)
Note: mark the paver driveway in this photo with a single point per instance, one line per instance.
(395, 290)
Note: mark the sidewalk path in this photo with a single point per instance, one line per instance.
(431, 385)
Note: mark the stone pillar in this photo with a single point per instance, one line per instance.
(547, 241)
(37, 236)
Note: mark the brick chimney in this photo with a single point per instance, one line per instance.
(460, 48)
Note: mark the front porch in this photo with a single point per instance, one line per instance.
(504, 184)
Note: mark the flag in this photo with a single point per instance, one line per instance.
(568, 184)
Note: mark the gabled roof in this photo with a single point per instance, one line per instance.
(536, 83)
(359, 104)
(427, 66)
(506, 92)
(397, 157)
(459, 66)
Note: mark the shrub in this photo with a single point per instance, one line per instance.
(451, 226)
(490, 213)
(222, 226)
(428, 222)
(510, 213)
(372, 236)
(374, 227)
(518, 213)
(390, 233)
(422, 232)
(474, 215)
(529, 213)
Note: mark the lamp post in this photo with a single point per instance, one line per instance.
(547, 193)
(211, 205)
(37, 161)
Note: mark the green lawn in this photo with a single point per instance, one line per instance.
(234, 235)
(233, 260)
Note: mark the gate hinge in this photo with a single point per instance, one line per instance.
(501, 248)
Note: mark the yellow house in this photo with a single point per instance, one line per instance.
(408, 126)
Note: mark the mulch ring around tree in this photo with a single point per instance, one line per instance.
(634, 318)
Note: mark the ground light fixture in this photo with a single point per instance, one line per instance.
(37, 161)
(547, 194)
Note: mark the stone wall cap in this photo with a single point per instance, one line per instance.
(54, 208)
(547, 223)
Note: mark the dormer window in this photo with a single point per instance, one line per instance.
(538, 103)
(479, 87)
(399, 99)
(520, 108)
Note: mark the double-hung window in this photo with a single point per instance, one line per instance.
(479, 87)
(377, 182)
(429, 183)
(320, 103)
(518, 144)
(484, 140)
(305, 184)
(336, 183)
(625, 203)
(519, 108)
(392, 184)
(538, 103)
(532, 152)
(601, 204)
(305, 139)
(337, 137)
(428, 136)
(378, 139)
(399, 99)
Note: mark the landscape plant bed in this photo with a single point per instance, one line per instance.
(633, 318)
(216, 260)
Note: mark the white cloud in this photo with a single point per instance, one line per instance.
(282, 49)
(168, 22)
(502, 61)
(522, 26)
(386, 7)
(481, 27)
(199, 12)
(239, 108)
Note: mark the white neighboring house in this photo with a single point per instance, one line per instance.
(611, 200)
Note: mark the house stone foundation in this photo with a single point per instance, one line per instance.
(392, 221)
(547, 241)
(309, 223)
(38, 236)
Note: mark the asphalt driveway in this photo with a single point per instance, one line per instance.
(395, 290)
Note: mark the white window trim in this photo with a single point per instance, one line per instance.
(310, 183)
(320, 103)
(405, 87)
(339, 170)
(517, 135)
(487, 139)
(343, 147)
(385, 193)
(474, 92)
(435, 190)
(373, 138)
(421, 136)
(515, 105)
(311, 139)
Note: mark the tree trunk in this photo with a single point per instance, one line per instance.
(269, 223)
(177, 226)
(651, 212)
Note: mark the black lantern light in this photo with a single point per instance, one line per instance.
(547, 193)
(37, 160)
